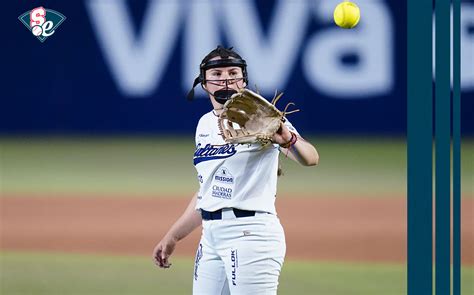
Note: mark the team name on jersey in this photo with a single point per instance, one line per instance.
(213, 152)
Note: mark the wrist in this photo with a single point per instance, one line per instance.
(290, 142)
(172, 237)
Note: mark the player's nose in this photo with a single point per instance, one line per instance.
(228, 76)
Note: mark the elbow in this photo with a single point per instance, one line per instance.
(315, 163)
(309, 156)
(314, 160)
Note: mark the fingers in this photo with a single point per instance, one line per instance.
(283, 128)
(157, 256)
(163, 251)
(160, 259)
(280, 130)
(166, 263)
(164, 259)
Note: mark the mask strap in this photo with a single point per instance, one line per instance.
(190, 95)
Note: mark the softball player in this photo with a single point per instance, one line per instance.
(242, 246)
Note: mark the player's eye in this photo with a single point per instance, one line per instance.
(216, 73)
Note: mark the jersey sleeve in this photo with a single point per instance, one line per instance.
(199, 128)
(196, 138)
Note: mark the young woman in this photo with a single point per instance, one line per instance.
(242, 246)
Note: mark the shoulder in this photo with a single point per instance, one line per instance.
(204, 124)
(205, 120)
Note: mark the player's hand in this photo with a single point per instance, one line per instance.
(163, 251)
(283, 135)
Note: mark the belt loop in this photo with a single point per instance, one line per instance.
(228, 213)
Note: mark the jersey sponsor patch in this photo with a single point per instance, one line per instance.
(213, 152)
(222, 192)
(224, 176)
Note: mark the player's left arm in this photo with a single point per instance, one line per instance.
(295, 147)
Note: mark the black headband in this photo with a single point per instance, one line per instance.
(218, 63)
(224, 62)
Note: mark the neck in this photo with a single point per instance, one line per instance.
(218, 111)
(217, 107)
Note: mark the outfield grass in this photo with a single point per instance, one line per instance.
(68, 274)
(163, 166)
(74, 274)
(98, 165)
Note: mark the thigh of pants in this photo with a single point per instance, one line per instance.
(242, 256)
(209, 272)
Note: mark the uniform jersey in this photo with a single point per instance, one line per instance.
(242, 176)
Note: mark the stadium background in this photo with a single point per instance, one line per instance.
(97, 141)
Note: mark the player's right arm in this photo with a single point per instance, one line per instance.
(188, 222)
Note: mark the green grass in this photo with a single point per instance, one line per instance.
(68, 274)
(98, 165)
(163, 166)
(80, 274)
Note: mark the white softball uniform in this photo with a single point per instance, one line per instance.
(242, 246)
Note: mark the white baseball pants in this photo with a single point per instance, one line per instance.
(239, 256)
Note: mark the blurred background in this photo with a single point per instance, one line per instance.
(97, 138)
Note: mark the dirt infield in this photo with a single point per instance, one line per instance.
(336, 229)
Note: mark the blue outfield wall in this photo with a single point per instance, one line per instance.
(126, 66)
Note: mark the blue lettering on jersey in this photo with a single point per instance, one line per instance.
(213, 152)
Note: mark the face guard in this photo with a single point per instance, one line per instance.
(223, 94)
(228, 59)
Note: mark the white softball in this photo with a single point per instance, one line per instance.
(37, 30)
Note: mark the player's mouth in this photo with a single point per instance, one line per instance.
(222, 95)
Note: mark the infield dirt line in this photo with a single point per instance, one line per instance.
(336, 229)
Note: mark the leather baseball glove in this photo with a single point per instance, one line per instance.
(248, 118)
